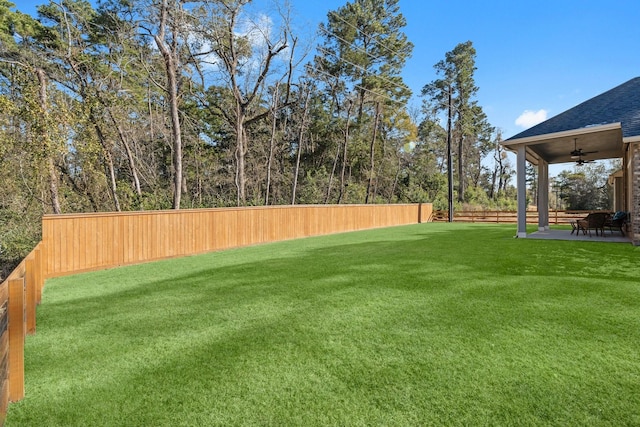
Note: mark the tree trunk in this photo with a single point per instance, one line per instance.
(303, 125)
(296, 170)
(333, 172)
(129, 153)
(449, 159)
(53, 176)
(177, 135)
(171, 69)
(110, 172)
(395, 181)
(494, 178)
(271, 144)
(372, 152)
(461, 180)
(344, 156)
(240, 156)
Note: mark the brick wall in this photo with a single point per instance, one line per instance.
(635, 203)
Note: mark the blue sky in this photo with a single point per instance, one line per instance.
(531, 55)
(541, 57)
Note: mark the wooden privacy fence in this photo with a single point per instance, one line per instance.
(510, 217)
(77, 243)
(92, 241)
(19, 295)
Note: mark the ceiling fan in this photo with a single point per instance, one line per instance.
(581, 161)
(577, 154)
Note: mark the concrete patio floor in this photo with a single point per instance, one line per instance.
(609, 237)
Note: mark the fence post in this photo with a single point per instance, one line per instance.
(30, 294)
(16, 339)
(39, 277)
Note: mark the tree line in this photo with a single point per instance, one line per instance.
(167, 104)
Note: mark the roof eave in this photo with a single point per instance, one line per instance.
(563, 134)
(631, 139)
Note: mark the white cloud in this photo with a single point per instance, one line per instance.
(531, 118)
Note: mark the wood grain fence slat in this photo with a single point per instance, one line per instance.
(510, 217)
(16, 339)
(30, 294)
(93, 241)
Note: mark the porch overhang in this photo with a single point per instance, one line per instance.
(606, 126)
(596, 142)
(603, 141)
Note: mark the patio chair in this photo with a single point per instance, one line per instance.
(617, 221)
(594, 221)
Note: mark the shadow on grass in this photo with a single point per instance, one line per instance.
(355, 328)
(419, 261)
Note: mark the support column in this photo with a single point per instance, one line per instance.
(543, 196)
(521, 170)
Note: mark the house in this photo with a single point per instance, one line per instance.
(606, 126)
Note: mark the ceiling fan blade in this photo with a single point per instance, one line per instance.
(582, 161)
(577, 153)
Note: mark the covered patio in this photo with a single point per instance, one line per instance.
(553, 234)
(604, 127)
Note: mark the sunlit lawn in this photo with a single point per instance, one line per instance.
(432, 324)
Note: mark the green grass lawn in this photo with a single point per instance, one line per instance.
(431, 324)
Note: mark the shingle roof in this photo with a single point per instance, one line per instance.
(620, 104)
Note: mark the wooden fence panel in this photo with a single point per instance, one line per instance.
(4, 350)
(16, 339)
(92, 241)
(75, 243)
(19, 295)
(510, 217)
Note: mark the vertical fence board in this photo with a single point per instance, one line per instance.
(68, 248)
(39, 271)
(46, 260)
(30, 294)
(4, 371)
(118, 237)
(98, 226)
(79, 244)
(16, 339)
(131, 243)
(56, 249)
(155, 223)
(4, 350)
(99, 248)
(93, 241)
(144, 249)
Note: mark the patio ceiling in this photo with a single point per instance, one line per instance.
(605, 140)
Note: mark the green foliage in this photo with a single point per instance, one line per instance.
(468, 133)
(586, 188)
(477, 195)
(84, 113)
(19, 234)
(313, 187)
